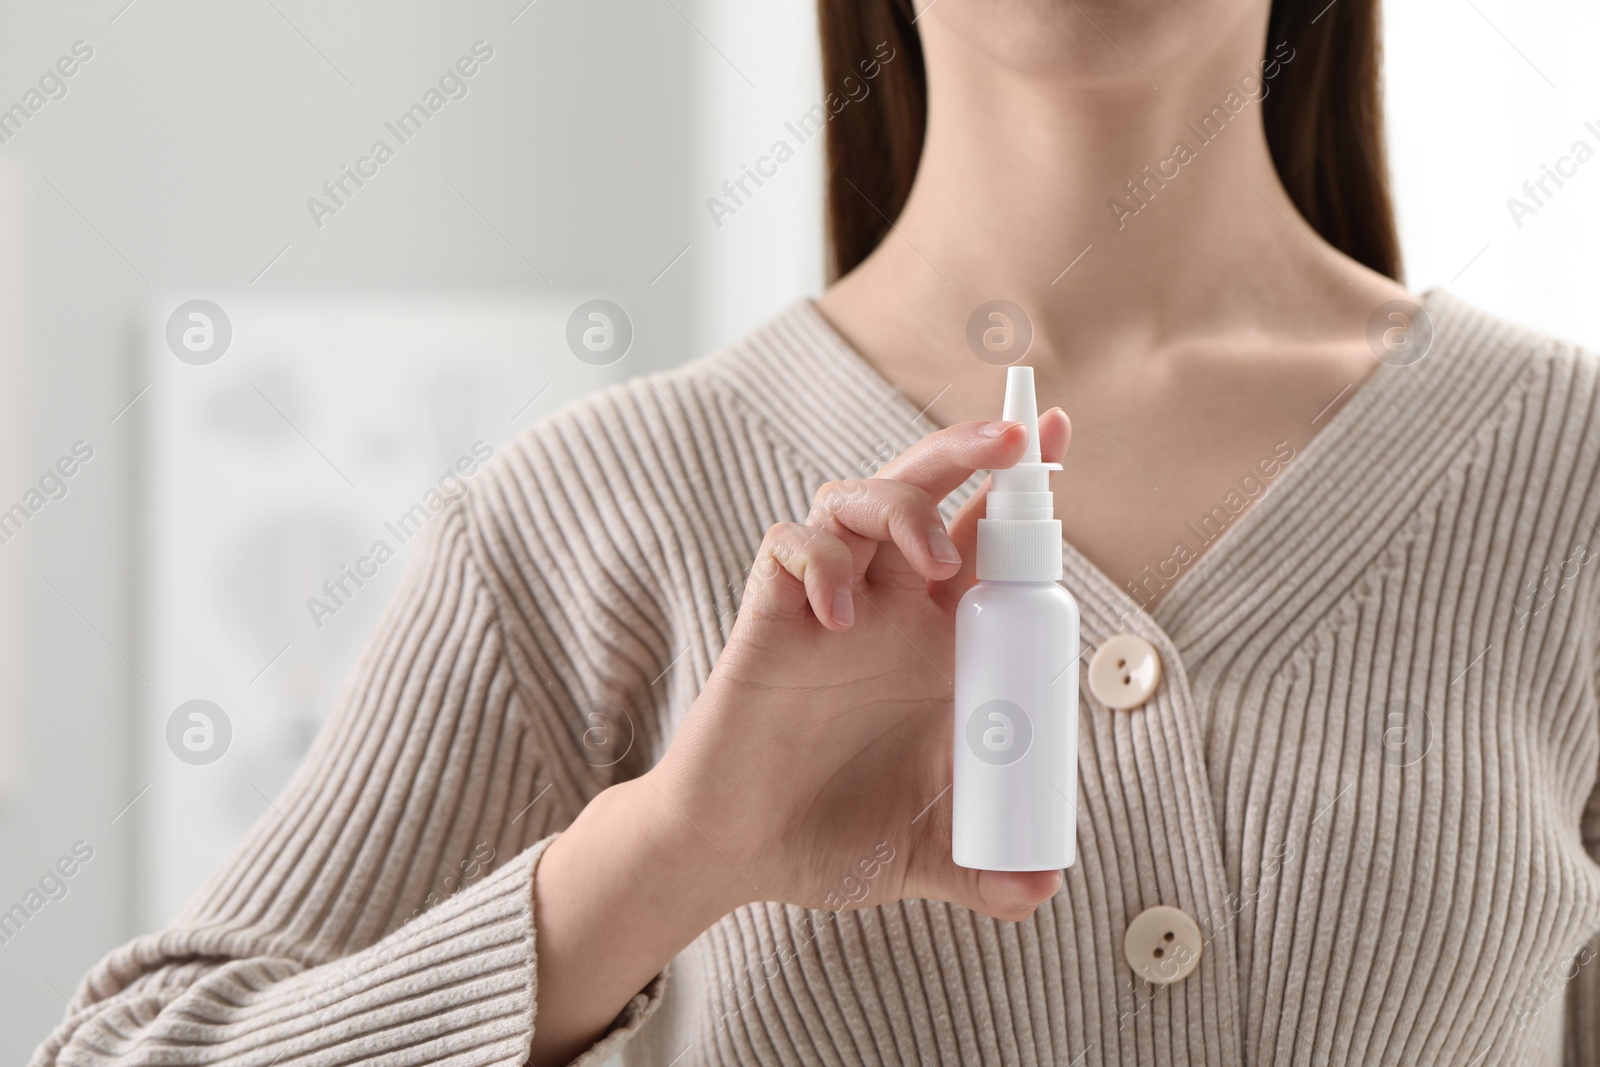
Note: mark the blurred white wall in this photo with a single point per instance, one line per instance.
(178, 164)
(1482, 96)
(13, 446)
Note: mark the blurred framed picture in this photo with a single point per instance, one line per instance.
(293, 450)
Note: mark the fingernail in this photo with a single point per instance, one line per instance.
(941, 547)
(844, 607)
(995, 429)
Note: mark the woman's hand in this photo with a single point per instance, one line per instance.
(813, 768)
(817, 758)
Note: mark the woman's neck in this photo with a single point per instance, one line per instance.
(1128, 221)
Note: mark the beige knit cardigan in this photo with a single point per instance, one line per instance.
(1368, 772)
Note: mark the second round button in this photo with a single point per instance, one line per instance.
(1124, 672)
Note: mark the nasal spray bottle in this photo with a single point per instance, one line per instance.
(1016, 690)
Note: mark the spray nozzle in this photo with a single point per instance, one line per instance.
(1022, 491)
(1021, 406)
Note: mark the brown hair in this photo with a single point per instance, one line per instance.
(1323, 118)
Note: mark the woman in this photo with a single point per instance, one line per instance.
(1355, 785)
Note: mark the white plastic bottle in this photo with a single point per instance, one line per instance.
(1016, 686)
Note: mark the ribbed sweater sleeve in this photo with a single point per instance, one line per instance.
(381, 909)
(1581, 973)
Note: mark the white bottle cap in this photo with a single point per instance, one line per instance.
(1019, 539)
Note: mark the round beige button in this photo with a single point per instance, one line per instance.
(1124, 672)
(1163, 945)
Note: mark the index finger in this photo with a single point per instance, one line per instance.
(943, 460)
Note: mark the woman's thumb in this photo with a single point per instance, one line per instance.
(1009, 895)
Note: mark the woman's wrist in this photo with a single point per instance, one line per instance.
(677, 867)
(620, 893)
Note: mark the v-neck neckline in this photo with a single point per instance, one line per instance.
(807, 333)
(1367, 399)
